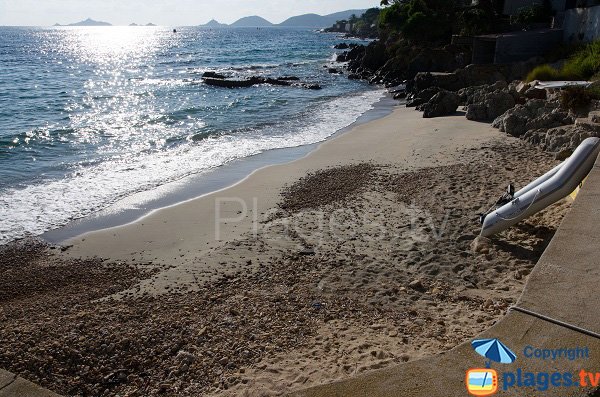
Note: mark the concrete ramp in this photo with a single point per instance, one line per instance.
(13, 386)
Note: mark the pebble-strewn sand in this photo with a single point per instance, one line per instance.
(357, 267)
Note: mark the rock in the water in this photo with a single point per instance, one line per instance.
(334, 71)
(444, 103)
(341, 46)
(213, 75)
(252, 81)
(220, 82)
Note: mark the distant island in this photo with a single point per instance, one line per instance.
(215, 24)
(87, 22)
(300, 21)
(251, 22)
(148, 24)
(91, 22)
(255, 21)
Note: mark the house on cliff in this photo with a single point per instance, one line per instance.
(574, 21)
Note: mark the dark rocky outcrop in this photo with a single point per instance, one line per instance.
(221, 82)
(288, 78)
(422, 97)
(252, 81)
(444, 103)
(473, 75)
(213, 75)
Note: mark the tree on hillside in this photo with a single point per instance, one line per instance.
(436, 20)
(419, 20)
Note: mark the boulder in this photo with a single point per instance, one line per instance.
(535, 93)
(560, 140)
(497, 103)
(476, 94)
(535, 114)
(486, 106)
(444, 103)
(252, 81)
(476, 111)
(341, 46)
(422, 97)
(334, 71)
(288, 78)
(220, 82)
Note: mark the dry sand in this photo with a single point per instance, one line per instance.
(363, 258)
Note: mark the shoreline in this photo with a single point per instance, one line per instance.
(137, 206)
(185, 232)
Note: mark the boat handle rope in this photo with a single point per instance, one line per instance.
(520, 212)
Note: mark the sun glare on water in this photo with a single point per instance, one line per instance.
(117, 44)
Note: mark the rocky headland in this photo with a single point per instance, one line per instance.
(439, 82)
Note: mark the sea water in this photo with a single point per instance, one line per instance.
(90, 115)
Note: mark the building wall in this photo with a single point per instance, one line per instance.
(526, 45)
(511, 7)
(582, 24)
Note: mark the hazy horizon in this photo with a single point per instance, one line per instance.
(168, 12)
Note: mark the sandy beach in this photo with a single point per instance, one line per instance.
(359, 256)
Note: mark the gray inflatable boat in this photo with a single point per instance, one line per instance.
(544, 191)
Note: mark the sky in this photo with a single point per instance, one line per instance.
(164, 12)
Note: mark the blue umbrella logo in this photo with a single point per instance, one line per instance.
(493, 350)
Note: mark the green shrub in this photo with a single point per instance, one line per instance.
(583, 65)
(544, 73)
